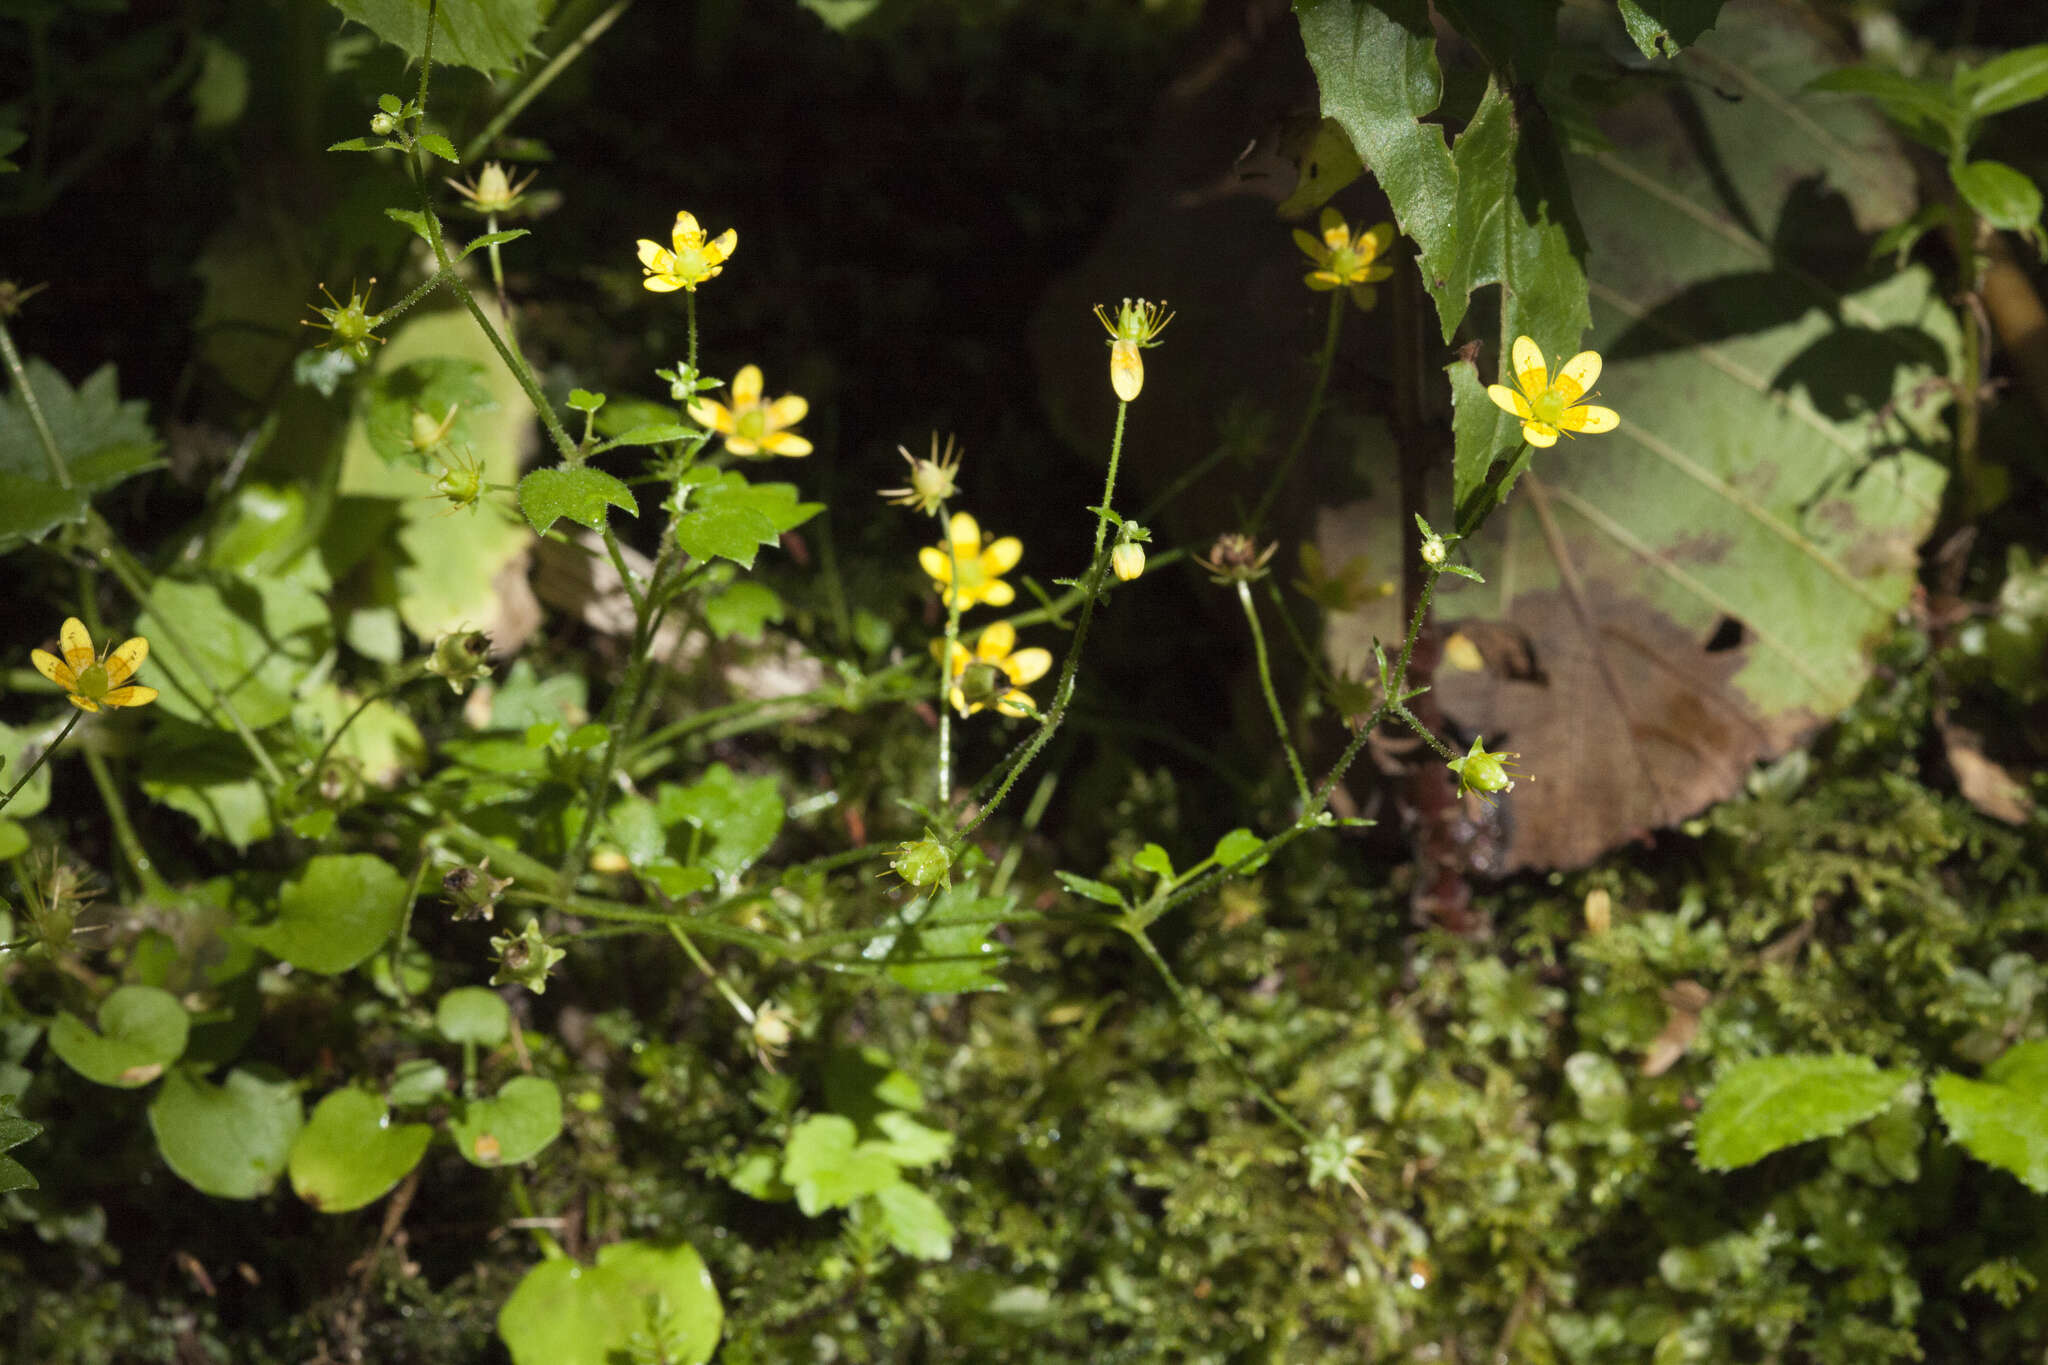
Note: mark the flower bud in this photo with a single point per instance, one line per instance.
(462, 658)
(923, 864)
(382, 124)
(1127, 560)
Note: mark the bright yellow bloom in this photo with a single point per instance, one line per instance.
(692, 259)
(980, 570)
(1347, 262)
(1548, 406)
(997, 649)
(91, 680)
(1136, 328)
(751, 426)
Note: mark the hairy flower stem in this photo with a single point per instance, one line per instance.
(42, 756)
(44, 436)
(718, 982)
(1091, 589)
(1324, 363)
(139, 862)
(946, 668)
(1251, 616)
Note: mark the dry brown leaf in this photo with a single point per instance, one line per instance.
(1983, 782)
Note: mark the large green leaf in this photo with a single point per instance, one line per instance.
(101, 439)
(1768, 1103)
(141, 1031)
(254, 641)
(340, 909)
(1492, 209)
(563, 1313)
(351, 1153)
(228, 1140)
(490, 35)
(2002, 1119)
(1669, 603)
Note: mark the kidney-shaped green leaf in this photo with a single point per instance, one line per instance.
(142, 1030)
(473, 1014)
(350, 1152)
(334, 914)
(563, 1313)
(510, 1127)
(228, 1140)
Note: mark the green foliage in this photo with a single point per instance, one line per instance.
(490, 35)
(101, 440)
(566, 1314)
(141, 1031)
(2002, 1118)
(581, 494)
(350, 1153)
(1769, 1103)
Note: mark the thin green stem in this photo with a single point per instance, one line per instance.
(1324, 363)
(404, 935)
(1187, 1007)
(718, 982)
(542, 79)
(411, 672)
(1091, 590)
(153, 886)
(1251, 616)
(132, 579)
(945, 701)
(44, 435)
(42, 756)
(690, 313)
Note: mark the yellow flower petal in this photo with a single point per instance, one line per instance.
(1577, 376)
(997, 594)
(53, 668)
(89, 707)
(1378, 241)
(711, 414)
(746, 386)
(787, 411)
(1028, 665)
(651, 254)
(686, 233)
(1322, 281)
(783, 443)
(1505, 397)
(122, 663)
(76, 643)
(1591, 419)
(995, 642)
(1336, 232)
(721, 246)
(1002, 556)
(132, 695)
(1540, 434)
(1310, 247)
(934, 562)
(660, 284)
(1530, 371)
(965, 533)
(1126, 370)
(1016, 703)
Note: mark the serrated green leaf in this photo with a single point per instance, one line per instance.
(438, 388)
(360, 144)
(102, 439)
(413, 219)
(741, 814)
(727, 517)
(257, 640)
(1662, 28)
(829, 1169)
(577, 492)
(2002, 1118)
(490, 239)
(1769, 1103)
(439, 146)
(743, 611)
(488, 35)
(914, 1222)
(1925, 109)
(654, 435)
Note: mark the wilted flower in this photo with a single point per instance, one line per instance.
(1236, 558)
(932, 483)
(493, 192)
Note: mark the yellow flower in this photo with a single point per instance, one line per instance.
(1136, 328)
(90, 680)
(692, 261)
(1548, 406)
(980, 570)
(751, 426)
(1347, 262)
(996, 649)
